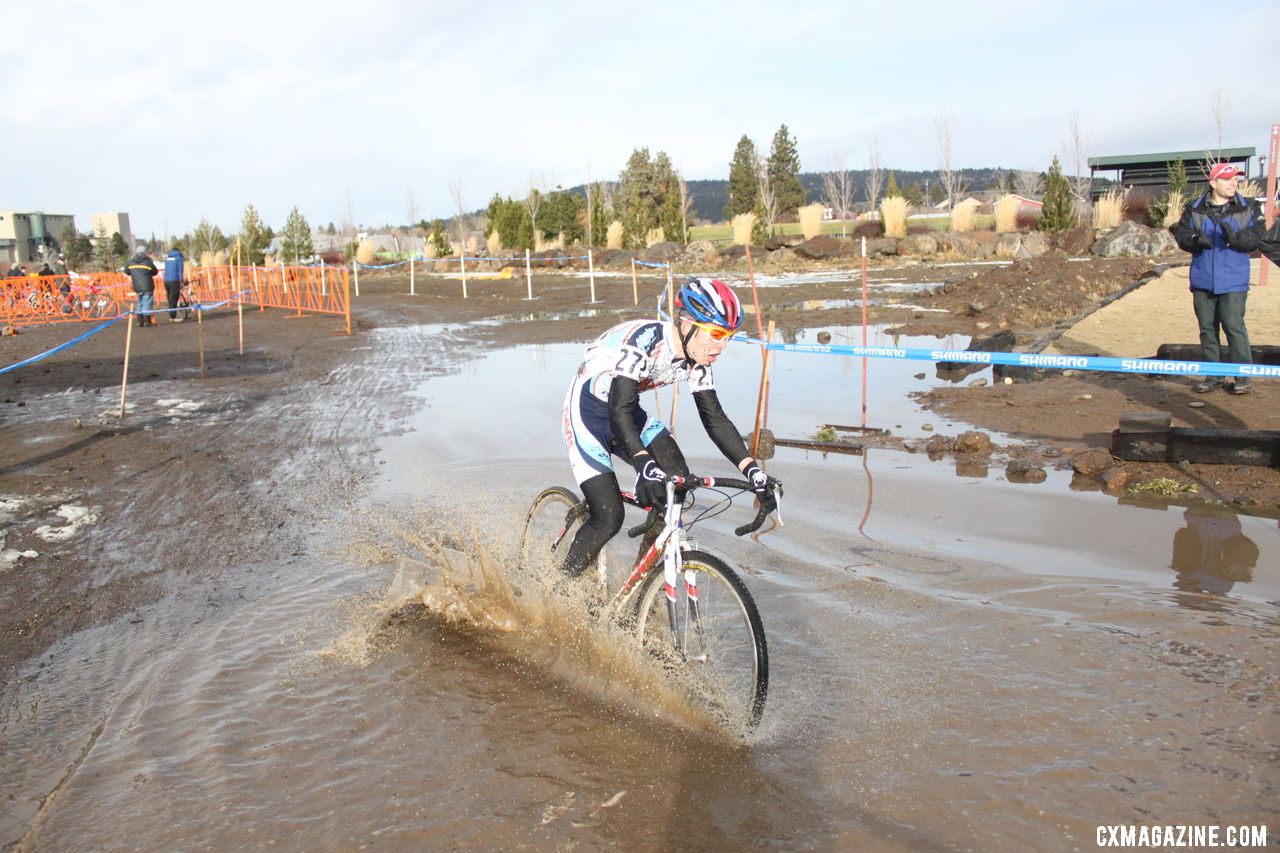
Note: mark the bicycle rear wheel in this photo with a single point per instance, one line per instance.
(549, 528)
(715, 640)
(183, 308)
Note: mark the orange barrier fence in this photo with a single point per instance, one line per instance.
(76, 298)
(64, 298)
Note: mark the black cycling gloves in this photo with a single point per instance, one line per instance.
(651, 481)
(759, 482)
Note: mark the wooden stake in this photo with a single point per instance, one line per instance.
(462, 259)
(764, 388)
(591, 273)
(528, 274)
(124, 380)
(200, 335)
(635, 297)
(411, 284)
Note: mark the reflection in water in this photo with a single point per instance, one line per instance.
(1211, 554)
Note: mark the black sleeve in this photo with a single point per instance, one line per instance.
(1183, 232)
(1269, 244)
(624, 397)
(719, 427)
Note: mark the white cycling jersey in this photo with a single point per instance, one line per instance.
(643, 350)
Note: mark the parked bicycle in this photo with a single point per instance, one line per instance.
(708, 627)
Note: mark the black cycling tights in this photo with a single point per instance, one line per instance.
(604, 506)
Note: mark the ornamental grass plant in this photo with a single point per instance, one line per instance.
(1108, 210)
(811, 220)
(743, 225)
(963, 215)
(613, 235)
(893, 213)
(1006, 210)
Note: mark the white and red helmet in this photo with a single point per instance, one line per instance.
(710, 300)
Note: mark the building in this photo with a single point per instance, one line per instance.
(110, 223)
(1151, 171)
(27, 238)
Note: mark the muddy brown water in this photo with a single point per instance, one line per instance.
(958, 661)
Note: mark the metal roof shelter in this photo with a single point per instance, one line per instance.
(1152, 170)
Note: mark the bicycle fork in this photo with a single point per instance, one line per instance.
(672, 567)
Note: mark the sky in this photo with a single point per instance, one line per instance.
(363, 112)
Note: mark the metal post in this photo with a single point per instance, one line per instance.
(462, 261)
(411, 288)
(355, 265)
(528, 274)
(591, 274)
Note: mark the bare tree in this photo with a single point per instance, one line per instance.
(1027, 183)
(768, 193)
(533, 201)
(837, 190)
(1218, 102)
(1003, 183)
(411, 208)
(1076, 154)
(952, 181)
(686, 201)
(875, 176)
(460, 216)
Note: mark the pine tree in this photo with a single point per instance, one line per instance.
(742, 179)
(784, 172)
(638, 199)
(913, 193)
(208, 238)
(295, 239)
(892, 191)
(1057, 215)
(599, 216)
(119, 247)
(76, 248)
(254, 237)
(104, 258)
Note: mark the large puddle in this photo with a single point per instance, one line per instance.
(957, 661)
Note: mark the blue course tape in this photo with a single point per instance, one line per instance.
(1031, 359)
(1021, 359)
(60, 347)
(380, 266)
(661, 266)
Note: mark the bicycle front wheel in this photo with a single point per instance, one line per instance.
(713, 638)
(549, 528)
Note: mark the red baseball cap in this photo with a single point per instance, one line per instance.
(1224, 170)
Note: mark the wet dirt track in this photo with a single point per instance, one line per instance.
(953, 668)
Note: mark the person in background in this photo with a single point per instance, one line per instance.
(46, 270)
(173, 270)
(1220, 229)
(15, 271)
(142, 271)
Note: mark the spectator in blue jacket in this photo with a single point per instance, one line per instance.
(1220, 229)
(173, 273)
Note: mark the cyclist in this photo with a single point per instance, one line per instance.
(602, 414)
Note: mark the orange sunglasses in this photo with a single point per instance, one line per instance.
(717, 333)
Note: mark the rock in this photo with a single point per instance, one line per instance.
(976, 308)
(1034, 245)
(1129, 239)
(927, 427)
(737, 252)
(780, 257)
(1196, 404)
(824, 337)
(882, 246)
(918, 244)
(938, 444)
(612, 257)
(699, 253)
(1074, 241)
(1091, 461)
(919, 376)
(973, 442)
(977, 383)
(972, 244)
(781, 241)
(1022, 471)
(1114, 479)
(660, 253)
(1007, 246)
(824, 246)
(910, 446)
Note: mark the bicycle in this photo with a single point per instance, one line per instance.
(711, 631)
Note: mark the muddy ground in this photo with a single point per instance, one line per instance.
(197, 460)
